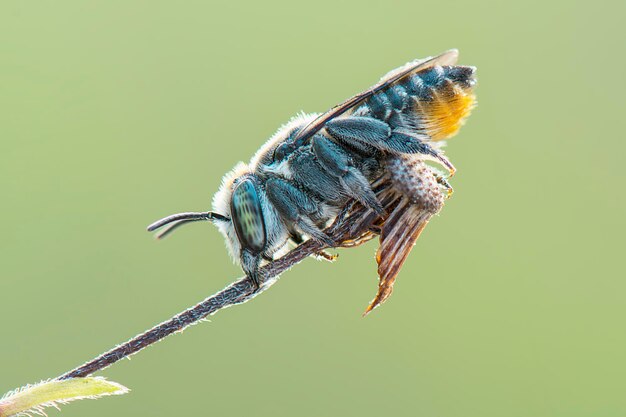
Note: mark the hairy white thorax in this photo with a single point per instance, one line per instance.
(277, 234)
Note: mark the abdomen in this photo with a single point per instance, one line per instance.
(433, 102)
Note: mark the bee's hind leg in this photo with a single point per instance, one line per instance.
(362, 131)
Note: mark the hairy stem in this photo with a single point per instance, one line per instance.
(240, 291)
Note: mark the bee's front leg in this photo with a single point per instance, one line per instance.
(250, 263)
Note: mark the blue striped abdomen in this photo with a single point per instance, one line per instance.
(433, 102)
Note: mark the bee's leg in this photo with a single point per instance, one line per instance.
(338, 163)
(307, 171)
(404, 142)
(297, 238)
(327, 256)
(373, 132)
(360, 130)
(250, 264)
(297, 208)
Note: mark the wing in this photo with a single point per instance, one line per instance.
(395, 76)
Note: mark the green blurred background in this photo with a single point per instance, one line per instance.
(115, 113)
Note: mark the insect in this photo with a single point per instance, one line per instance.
(313, 166)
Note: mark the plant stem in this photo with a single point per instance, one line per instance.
(343, 229)
(236, 293)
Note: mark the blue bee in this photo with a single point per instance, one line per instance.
(302, 177)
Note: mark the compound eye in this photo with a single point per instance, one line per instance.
(247, 216)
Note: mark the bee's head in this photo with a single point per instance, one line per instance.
(238, 214)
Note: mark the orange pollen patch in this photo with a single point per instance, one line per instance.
(444, 116)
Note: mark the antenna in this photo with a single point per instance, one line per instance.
(184, 218)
